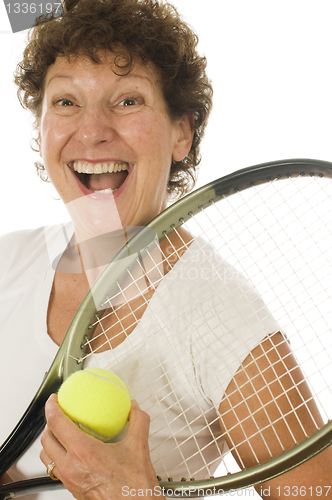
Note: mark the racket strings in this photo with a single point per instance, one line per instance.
(126, 315)
(274, 238)
(133, 298)
(303, 401)
(294, 387)
(273, 268)
(279, 418)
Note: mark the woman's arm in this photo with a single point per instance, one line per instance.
(267, 387)
(5, 479)
(92, 470)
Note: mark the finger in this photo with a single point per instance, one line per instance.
(44, 457)
(63, 429)
(47, 461)
(139, 423)
(53, 448)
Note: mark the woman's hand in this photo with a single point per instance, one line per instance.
(92, 470)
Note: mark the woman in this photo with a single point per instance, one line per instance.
(120, 99)
(103, 96)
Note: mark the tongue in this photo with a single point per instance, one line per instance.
(97, 182)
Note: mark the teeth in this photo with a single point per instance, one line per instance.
(105, 191)
(99, 168)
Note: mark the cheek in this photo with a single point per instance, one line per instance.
(150, 136)
(53, 137)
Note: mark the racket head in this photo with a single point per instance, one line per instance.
(163, 226)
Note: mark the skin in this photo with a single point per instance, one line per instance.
(5, 479)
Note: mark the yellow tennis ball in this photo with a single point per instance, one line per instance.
(97, 400)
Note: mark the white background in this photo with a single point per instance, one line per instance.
(270, 63)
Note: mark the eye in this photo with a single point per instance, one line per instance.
(64, 102)
(130, 101)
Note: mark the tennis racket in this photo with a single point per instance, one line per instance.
(218, 318)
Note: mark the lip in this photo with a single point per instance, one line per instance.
(92, 194)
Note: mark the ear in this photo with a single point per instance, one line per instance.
(185, 135)
(39, 144)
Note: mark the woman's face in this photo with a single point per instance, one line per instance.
(107, 142)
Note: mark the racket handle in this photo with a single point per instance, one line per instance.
(30, 425)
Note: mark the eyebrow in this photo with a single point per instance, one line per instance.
(58, 76)
(72, 78)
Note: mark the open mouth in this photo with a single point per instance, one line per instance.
(104, 177)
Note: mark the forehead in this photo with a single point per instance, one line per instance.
(109, 65)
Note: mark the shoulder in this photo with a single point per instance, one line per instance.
(29, 251)
(16, 244)
(23, 235)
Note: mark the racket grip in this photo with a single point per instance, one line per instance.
(27, 429)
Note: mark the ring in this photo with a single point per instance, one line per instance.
(49, 471)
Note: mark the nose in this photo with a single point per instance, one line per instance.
(95, 127)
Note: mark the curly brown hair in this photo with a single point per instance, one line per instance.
(145, 30)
